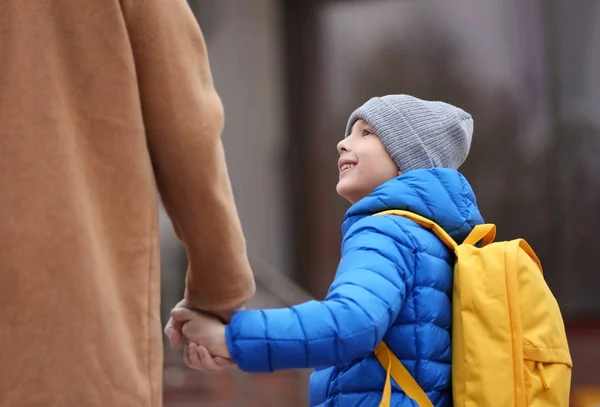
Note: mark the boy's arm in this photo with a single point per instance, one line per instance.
(183, 119)
(364, 300)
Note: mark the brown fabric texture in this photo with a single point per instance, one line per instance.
(100, 102)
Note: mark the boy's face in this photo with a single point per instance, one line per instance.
(364, 163)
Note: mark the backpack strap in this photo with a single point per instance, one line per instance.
(485, 232)
(396, 369)
(427, 224)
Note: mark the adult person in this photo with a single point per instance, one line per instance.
(100, 103)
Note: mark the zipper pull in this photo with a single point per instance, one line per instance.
(540, 367)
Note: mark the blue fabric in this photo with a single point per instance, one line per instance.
(394, 283)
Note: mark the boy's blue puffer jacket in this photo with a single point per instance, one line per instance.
(393, 283)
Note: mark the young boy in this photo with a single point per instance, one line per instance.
(395, 278)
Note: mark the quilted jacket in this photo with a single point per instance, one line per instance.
(394, 283)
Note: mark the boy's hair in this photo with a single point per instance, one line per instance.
(418, 133)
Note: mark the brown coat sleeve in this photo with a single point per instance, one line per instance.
(183, 116)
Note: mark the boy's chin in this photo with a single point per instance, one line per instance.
(346, 192)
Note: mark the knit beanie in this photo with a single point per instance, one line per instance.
(418, 133)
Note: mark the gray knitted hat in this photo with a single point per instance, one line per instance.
(418, 133)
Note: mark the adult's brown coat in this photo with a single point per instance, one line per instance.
(100, 101)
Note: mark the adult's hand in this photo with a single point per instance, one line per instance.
(173, 329)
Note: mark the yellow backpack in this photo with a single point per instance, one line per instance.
(509, 346)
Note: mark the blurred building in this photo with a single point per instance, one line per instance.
(290, 72)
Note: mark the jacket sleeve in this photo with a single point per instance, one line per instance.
(365, 298)
(183, 119)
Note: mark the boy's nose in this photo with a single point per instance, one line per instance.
(342, 146)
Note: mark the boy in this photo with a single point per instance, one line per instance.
(395, 278)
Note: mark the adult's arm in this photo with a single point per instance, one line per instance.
(183, 119)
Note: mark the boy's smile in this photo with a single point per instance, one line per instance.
(345, 165)
(364, 163)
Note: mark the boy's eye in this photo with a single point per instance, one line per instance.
(367, 133)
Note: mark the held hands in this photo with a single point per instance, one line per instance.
(174, 327)
(205, 347)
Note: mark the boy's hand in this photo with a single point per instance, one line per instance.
(197, 357)
(204, 335)
(174, 327)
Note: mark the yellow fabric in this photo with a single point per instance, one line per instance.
(386, 361)
(509, 346)
(397, 370)
(484, 233)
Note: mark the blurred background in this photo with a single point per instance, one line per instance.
(290, 72)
